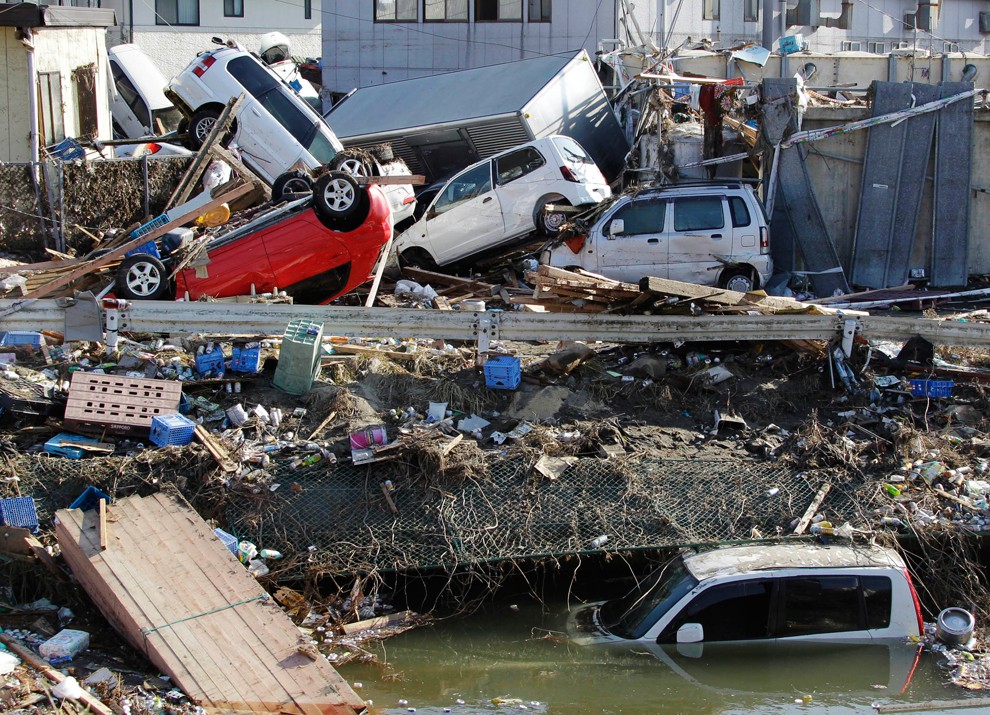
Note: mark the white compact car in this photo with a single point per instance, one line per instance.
(793, 591)
(709, 234)
(275, 129)
(503, 198)
(137, 102)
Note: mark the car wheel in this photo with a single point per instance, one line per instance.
(201, 126)
(549, 222)
(291, 182)
(355, 162)
(340, 202)
(141, 277)
(417, 258)
(740, 280)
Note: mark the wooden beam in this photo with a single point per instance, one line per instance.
(188, 180)
(103, 523)
(238, 166)
(812, 509)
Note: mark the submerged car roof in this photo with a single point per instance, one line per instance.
(734, 560)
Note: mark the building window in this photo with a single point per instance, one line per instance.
(446, 10)
(176, 12)
(850, 46)
(710, 9)
(751, 10)
(308, 9)
(497, 10)
(396, 11)
(876, 47)
(233, 8)
(50, 107)
(539, 10)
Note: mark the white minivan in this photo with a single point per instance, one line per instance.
(138, 103)
(502, 198)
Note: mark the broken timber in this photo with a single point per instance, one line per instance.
(175, 592)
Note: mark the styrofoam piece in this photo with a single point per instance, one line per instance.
(67, 643)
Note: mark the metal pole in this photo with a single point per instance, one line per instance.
(768, 25)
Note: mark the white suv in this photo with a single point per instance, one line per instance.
(709, 234)
(502, 198)
(275, 129)
(762, 592)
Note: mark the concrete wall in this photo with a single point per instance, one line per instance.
(172, 48)
(837, 184)
(360, 52)
(56, 50)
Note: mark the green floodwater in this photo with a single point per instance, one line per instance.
(518, 655)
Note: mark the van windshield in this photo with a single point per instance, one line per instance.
(632, 615)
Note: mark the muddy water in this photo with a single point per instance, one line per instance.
(509, 660)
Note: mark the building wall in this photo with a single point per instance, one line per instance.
(174, 47)
(365, 52)
(59, 50)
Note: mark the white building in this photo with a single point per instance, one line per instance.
(172, 32)
(369, 42)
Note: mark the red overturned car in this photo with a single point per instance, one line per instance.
(314, 247)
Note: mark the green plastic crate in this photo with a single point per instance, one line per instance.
(299, 357)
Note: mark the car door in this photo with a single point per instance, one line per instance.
(466, 217)
(700, 230)
(641, 248)
(130, 111)
(519, 180)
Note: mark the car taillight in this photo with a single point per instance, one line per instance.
(200, 69)
(408, 200)
(569, 175)
(764, 237)
(917, 603)
(154, 148)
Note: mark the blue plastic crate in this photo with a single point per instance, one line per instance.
(20, 512)
(89, 498)
(246, 359)
(932, 388)
(55, 446)
(150, 248)
(210, 362)
(503, 373)
(147, 228)
(22, 337)
(172, 429)
(229, 540)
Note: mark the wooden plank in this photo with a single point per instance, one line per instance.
(431, 277)
(216, 450)
(238, 166)
(380, 270)
(103, 523)
(812, 509)
(115, 253)
(188, 180)
(322, 425)
(376, 622)
(91, 701)
(364, 350)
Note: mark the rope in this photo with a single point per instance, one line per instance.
(262, 597)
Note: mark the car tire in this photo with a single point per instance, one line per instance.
(291, 182)
(340, 202)
(417, 258)
(740, 280)
(549, 223)
(200, 127)
(355, 162)
(141, 277)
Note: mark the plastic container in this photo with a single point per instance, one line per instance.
(150, 248)
(67, 643)
(362, 439)
(229, 540)
(89, 498)
(172, 429)
(932, 388)
(21, 337)
(299, 357)
(147, 228)
(210, 362)
(19, 512)
(245, 359)
(955, 626)
(54, 445)
(503, 373)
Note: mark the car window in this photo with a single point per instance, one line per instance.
(251, 75)
(296, 122)
(640, 217)
(573, 151)
(699, 213)
(465, 187)
(822, 604)
(130, 95)
(877, 595)
(321, 147)
(518, 163)
(739, 212)
(635, 613)
(734, 611)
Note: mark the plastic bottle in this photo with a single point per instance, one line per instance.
(270, 554)
(892, 490)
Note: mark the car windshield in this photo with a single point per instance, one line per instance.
(321, 147)
(632, 615)
(573, 151)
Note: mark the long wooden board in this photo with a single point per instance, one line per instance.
(175, 592)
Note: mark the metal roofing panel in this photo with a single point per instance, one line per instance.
(445, 98)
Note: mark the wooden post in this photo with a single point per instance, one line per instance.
(103, 524)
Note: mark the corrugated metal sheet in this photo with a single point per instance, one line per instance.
(495, 136)
(953, 165)
(401, 149)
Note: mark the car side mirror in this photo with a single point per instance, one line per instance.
(615, 228)
(691, 633)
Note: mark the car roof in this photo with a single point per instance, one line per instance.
(735, 560)
(691, 188)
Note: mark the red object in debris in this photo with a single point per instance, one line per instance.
(297, 254)
(576, 243)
